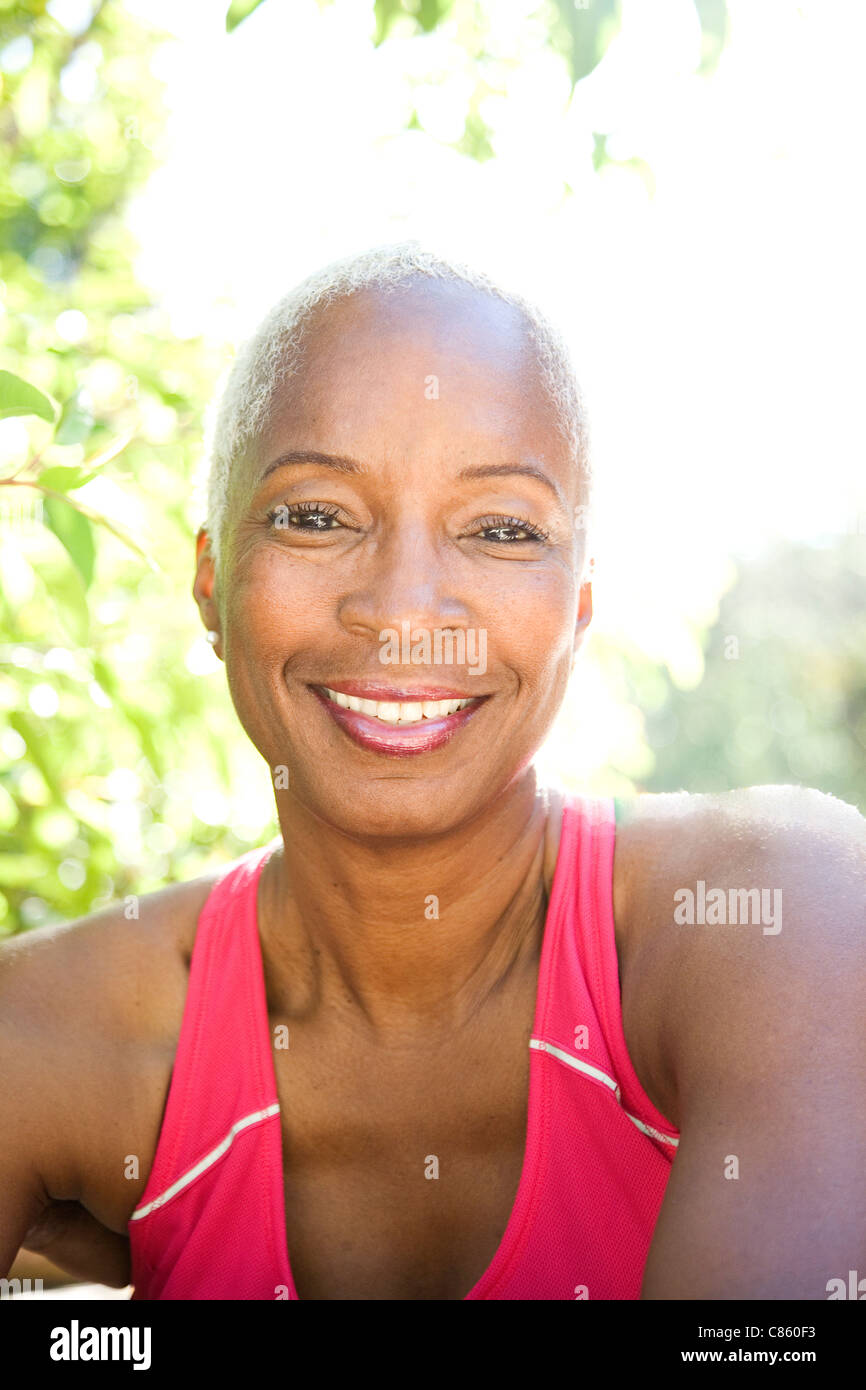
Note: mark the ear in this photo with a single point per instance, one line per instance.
(584, 560)
(584, 610)
(204, 586)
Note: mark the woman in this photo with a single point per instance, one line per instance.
(451, 1035)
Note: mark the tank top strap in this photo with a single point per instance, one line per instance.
(582, 1015)
(221, 1082)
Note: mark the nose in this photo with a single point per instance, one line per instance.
(406, 579)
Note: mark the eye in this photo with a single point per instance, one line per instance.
(502, 530)
(303, 516)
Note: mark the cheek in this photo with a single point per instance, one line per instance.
(268, 616)
(537, 625)
(275, 604)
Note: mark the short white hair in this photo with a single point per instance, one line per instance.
(272, 354)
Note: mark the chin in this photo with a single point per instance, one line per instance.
(403, 804)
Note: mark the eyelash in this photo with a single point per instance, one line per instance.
(509, 523)
(488, 523)
(300, 508)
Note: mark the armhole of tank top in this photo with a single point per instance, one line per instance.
(598, 857)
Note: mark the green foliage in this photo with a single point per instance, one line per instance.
(238, 11)
(424, 15)
(112, 750)
(75, 532)
(580, 30)
(18, 397)
(583, 32)
(783, 696)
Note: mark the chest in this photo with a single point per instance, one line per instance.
(400, 1173)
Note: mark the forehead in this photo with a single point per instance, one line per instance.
(443, 316)
(435, 360)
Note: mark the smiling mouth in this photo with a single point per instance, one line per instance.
(400, 712)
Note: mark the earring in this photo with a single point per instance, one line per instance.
(212, 636)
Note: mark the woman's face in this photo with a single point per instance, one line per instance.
(414, 394)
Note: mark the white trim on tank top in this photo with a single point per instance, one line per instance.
(598, 1075)
(204, 1163)
(538, 1044)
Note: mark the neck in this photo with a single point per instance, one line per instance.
(406, 934)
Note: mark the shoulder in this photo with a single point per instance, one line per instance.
(90, 1009)
(747, 828)
(669, 844)
(747, 900)
(91, 968)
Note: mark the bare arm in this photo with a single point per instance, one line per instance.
(89, 1015)
(760, 1051)
(31, 1148)
(77, 1243)
(22, 1192)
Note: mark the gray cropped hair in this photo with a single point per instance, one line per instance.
(272, 354)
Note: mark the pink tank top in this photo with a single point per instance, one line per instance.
(211, 1222)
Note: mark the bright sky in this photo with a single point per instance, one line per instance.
(717, 325)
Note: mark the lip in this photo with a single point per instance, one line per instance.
(395, 740)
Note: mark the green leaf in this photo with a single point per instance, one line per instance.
(475, 140)
(63, 479)
(583, 32)
(386, 11)
(430, 12)
(18, 397)
(75, 532)
(238, 11)
(76, 421)
(39, 750)
(68, 597)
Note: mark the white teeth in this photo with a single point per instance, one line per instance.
(394, 712)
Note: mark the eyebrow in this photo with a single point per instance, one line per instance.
(501, 470)
(343, 464)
